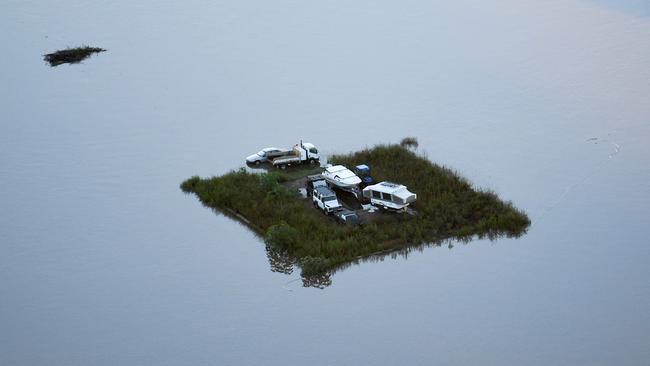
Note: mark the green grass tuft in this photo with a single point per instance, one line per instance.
(189, 185)
(409, 142)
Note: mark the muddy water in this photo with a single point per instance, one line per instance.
(104, 261)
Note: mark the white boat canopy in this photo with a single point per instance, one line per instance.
(341, 176)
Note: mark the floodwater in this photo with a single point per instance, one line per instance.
(104, 261)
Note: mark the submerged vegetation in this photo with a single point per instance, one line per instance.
(447, 207)
(71, 55)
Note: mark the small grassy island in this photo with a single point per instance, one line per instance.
(71, 55)
(447, 207)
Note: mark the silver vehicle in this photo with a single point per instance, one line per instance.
(326, 200)
(347, 217)
(265, 154)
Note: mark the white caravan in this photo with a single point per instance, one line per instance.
(389, 195)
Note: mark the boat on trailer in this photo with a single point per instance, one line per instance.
(341, 177)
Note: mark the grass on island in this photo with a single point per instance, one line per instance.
(447, 207)
(297, 172)
(71, 55)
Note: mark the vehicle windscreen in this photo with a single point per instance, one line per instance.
(353, 219)
(329, 198)
(261, 153)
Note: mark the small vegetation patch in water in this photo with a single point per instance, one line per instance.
(71, 55)
(409, 142)
(447, 207)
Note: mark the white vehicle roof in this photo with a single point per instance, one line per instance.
(390, 188)
(325, 191)
(270, 149)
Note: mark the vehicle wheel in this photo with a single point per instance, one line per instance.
(257, 162)
(283, 166)
(312, 161)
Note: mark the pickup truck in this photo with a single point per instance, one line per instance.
(302, 153)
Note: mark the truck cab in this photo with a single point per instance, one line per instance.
(325, 199)
(308, 152)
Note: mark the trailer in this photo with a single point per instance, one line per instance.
(302, 153)
(389, 195)
(313, 182)
(353, 190)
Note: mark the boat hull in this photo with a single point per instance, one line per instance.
(341, 177)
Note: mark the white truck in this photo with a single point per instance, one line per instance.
(302, 153)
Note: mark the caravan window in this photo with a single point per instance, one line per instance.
(387, 196)
(376, 195)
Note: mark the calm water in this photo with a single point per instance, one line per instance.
(103, 261)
